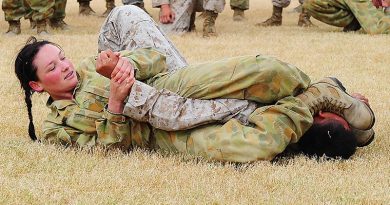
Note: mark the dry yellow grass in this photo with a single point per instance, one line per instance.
(31, 173)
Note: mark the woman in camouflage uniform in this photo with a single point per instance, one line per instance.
(88, 109)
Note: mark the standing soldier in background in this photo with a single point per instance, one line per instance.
(86, 10)
(239, 7)
(38, 11)
(276, 18)
(178, 16)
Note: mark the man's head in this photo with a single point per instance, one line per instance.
(331, 135)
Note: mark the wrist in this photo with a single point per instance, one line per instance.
(115, 106)
(165, 6)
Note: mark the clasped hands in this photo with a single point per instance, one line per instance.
(121, 72)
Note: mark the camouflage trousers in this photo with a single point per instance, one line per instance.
(239, 4)
(283, 3)
(279, 120)
(14, 10)
(341, 12)
(132, 2)
(183, 11)
(129, 28)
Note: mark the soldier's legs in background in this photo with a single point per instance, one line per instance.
(84, 8)
(129, 28)
(42, 11)
(110, 4)
(277, 10)
(258, 78)
(304, 17)
(14, 10)
(57, 20)
(275, 127)
(239, 6)
(211, 10)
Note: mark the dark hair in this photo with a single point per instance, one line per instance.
(26, 72)
(329, 138)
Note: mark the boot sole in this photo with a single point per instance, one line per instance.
(340, 84)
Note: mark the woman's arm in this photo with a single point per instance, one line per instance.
(147, 62)
(82, 129)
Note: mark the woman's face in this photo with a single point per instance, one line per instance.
(56, 74)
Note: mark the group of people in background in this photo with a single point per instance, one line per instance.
(178, 16)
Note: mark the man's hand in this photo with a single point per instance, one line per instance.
(166, 14)
(122, 79)
(360, 97)
(106, 62)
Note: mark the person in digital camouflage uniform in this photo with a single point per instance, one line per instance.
(37, 11)
(350, 14)
(277, 10)
(239, 7)
(125, 113)
(178, 16)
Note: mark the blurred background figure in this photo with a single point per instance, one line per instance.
(39, 12)
(276, 18)
(86, 10)
(178, 16)
(353, 15)
(239, 7)
(139, 3)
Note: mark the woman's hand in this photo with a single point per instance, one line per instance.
(122, 79)
(106, 62)
(166, 14)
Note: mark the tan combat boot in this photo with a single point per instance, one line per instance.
(304, 19)
(110, 4)
(275, 19)
(330, 95)
(238, 15)
(58, 24)
(41, 27)
(14, 28)
(209, 24)
(85, 9)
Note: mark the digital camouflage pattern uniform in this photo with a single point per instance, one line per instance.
(279, 120)
(239, 4)
(183, 10)
(342, 12)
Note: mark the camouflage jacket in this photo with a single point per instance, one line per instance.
(85, 121)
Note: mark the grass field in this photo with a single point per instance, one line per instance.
(31, 173)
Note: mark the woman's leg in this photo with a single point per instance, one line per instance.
(259, 78)
(129, 27)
